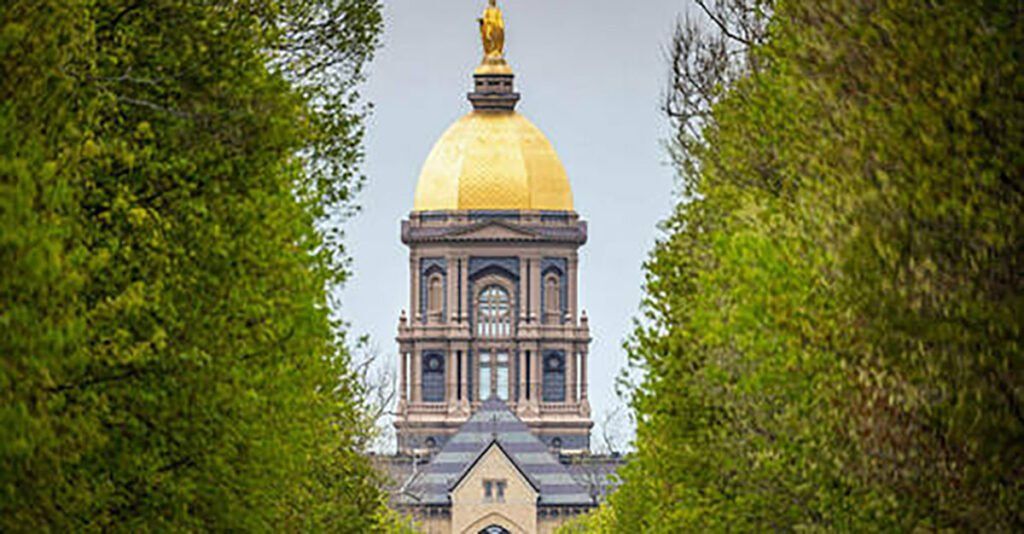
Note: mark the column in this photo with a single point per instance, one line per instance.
(573, 265)
(475, 369)
(583, 375)
(403, 384)
(535, 367)
(464, 278)
(450, 282)
(465, 375)
(417, 377)
(521, 378)
(449, 377)
(524, 300)
(570, 364)
(414, 289)
(534, 289)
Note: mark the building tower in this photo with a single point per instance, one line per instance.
(493, 242)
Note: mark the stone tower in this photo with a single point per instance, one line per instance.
(493, 262)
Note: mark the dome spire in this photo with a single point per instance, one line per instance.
(493, 78)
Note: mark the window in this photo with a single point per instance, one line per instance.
(494, 490)
(552, 296)
(494, 313)
(435, 297)
(493, 377)
(433, 377)
(501, 378)
(484, 378)
(553, 388)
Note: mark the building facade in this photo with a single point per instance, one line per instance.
(493, 262)
(493, 422)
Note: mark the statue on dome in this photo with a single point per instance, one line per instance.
(492, 31)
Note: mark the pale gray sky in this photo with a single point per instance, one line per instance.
(590, 73)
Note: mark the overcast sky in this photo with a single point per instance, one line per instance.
(591, 73)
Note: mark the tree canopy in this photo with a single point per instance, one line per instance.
(168, 358)
(832, 325)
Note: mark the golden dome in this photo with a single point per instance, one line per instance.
(493, 161)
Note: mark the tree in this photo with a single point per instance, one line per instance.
(168, 358)
(832, 320)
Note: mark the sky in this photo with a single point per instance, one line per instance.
(591, 74)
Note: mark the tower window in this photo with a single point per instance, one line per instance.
(501, 376)
(433, 377)
(494, 313)
(435, 298)
(552, 296)
(493, 378)
(484, 380)
(553, 389)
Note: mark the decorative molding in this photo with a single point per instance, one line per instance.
(428, 267)
(559, 266)
(478, 266)
(494, 230)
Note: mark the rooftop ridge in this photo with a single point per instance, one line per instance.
(555, 484)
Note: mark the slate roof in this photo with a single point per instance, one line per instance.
(493, 421)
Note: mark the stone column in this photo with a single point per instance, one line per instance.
(465, 375)
(583, 375)
(474, 367)
(573, 267)
(449, 378)
(570, 372)
(414, 289)
(521, 378)
(464, 277)
(417, 377)
(535, 367)
(450, 283)
(535, 285)
(403, 386)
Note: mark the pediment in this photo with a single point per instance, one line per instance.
(486, 459)
(493, 231)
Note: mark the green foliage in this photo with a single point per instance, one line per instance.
(833, 321)
(168, 361)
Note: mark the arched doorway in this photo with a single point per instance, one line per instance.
(494, 529)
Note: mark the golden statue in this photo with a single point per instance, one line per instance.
(492, 31)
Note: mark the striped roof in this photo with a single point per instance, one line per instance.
(494, 422)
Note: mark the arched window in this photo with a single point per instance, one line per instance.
(435, 298)
(553, 382)
(494, 529)
(433, 377)
(552, 299)
(494, 313)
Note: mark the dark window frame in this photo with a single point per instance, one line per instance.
(553, 380)
(432, 372)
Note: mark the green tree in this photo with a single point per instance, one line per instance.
(832, 323)
(168, 360)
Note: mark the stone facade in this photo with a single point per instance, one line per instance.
(493, 421)
(494, 306)
(494, 472)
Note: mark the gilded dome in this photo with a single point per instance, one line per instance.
(492, 160)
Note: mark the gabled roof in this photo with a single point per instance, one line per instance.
(495, 444)
(492, 423)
